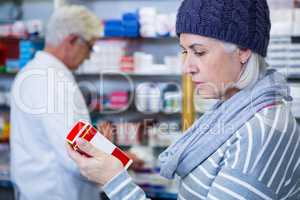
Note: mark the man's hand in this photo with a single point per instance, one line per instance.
(107, 129)
(101, 168)
(137, 163)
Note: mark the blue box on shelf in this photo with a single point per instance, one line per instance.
(130, 16)
(114, 33)
(30, 45)
(28, 48)
(131, 33)
(12, 65)
(113, 28)
(130, 22)
(27, 55)
(23, 62)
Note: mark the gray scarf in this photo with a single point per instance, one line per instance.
(218, 124)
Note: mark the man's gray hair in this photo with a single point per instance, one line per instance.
(68, 20)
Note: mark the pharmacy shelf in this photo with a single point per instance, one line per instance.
(132, 116)
(128, 74)
(119, 113)
(135, 77)
(131, 108)
(4, 108)
(141, 39)
(295, 39)
(7, 75)
(97, 75)
(293, 78)
(6, 184)
(116, 113)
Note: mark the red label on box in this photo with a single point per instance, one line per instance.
(87, 132)
(121, 156)
(75, 130)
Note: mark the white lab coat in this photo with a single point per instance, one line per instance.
(45, 103)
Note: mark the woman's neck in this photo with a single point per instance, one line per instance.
(229, 93)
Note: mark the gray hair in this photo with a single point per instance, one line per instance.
(252, 69)
(69, 20)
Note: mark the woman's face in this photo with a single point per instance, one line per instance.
(211, 66)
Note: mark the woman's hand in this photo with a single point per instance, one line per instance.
(101, 168)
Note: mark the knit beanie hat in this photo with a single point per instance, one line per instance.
(245, 23)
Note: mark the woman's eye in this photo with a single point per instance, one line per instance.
(199, 53)
(184, 52)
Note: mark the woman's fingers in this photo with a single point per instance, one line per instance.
(90, 149)
(79, 159)
(101, 168)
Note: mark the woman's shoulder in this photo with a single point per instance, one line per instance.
(275, 118)
(270, 129)
(267, 146)
(270, 121)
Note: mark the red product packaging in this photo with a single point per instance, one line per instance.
(86, 131)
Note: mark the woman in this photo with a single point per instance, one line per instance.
(246, 146)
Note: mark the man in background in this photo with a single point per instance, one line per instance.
(46, 101)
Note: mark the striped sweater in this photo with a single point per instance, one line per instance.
(260, 161)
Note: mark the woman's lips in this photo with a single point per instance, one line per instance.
(198, 82)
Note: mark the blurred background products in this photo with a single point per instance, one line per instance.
(133, 76)
(4, 127)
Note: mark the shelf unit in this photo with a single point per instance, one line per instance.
(132, 115)
(138, 78)
(186, 83)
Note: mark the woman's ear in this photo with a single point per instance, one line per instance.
(244, 55)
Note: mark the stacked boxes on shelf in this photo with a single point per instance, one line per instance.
(9, 51)
(284, 48)
(112, 56)
(154, 24)
(17, 53)
(112, 102)
(130, 23)
(284, 52)
(154, 98)
(119, 100)
(106, 57)
(113, 28)
(284, 55)
(28, 48)
(127, 27)
(2, 58)
(146, 22)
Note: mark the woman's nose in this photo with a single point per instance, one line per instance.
(189, 67)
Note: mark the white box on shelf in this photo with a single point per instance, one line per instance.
(275, 4)
(282, 21)
(296, 23)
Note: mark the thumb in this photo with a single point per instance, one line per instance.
(89, 149)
